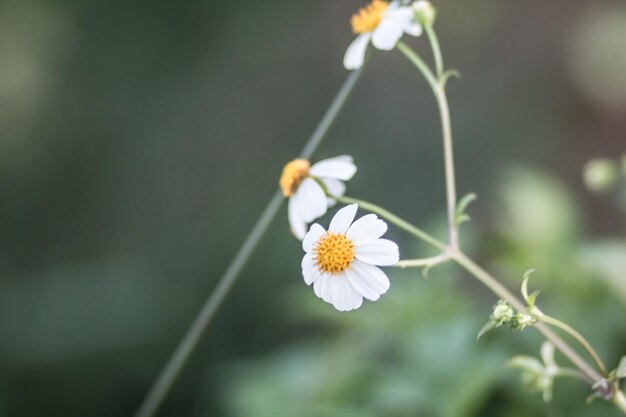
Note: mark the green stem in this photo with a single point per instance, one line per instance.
(434, 44)
(420, 64)
(567, 372)
(620, 400)
(402, 224)
(579, 338)
(186, 346)
(484, 277)
(438, 86)
(433, 260)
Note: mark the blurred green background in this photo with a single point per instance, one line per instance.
(140, 140)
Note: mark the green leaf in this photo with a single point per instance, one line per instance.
(490, 325)
(464, 202)
(449, 73)
(620, 372)
(534, 295)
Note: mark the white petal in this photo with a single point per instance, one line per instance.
(297, 224)
(342, 295)
(366, 229)
(342, 219)
(340, 168)
(334, 187)
(412, 28)
(405, 19)
(379, 252)
(322, 287)
(368, 280)
(387, 34)
(310, 272)
(355, 54)
(400, 14)
(315, 233)
(311, 200)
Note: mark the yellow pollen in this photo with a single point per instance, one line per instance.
(368, 17)
(293, 174)
(334, 253)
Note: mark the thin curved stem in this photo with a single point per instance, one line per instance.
(434, 44)
(438, 86)
(433, 260)
(420, 64)
(186, 346)
(579, 338)
(573, 373)
(402, 224)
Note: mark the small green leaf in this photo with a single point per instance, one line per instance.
(531, 298)
(490, 325)
(449, 73)
(461, 217)
(527, 275)
(620, 372)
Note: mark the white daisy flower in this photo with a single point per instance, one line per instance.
(307, 200)
(341, 262)
(382, 23)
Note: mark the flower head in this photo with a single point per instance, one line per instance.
(341, 262)
(381, 23)
(300, 181)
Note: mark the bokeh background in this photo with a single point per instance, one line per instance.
(140, 140)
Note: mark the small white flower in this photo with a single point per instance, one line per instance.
(307, 200)
(384, 24)
(341, 262)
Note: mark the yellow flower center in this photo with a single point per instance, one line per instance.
(293, 175)
(368, 17)
(334, 253)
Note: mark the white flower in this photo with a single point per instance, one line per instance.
(307, 200)
(384, 24)
(341, 262)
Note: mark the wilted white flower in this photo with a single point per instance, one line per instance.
(341, 262)
(381, 23)
(307, 199)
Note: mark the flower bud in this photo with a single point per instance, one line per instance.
(502, 313)
(425, 12)
(522, 320)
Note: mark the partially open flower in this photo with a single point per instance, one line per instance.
(341, 262)
(307, 199)
(382, 23)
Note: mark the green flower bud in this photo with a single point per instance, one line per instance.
(502, 313)
(425, 12)
(522, 320)
(600, 174)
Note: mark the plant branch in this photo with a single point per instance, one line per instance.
(437, 84)
(186, 346)
(434, 44)
(484, 277)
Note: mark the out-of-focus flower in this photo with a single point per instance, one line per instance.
(307, 199)
(341, 262)
(600, 174)
(381, 23)
(539, 376)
